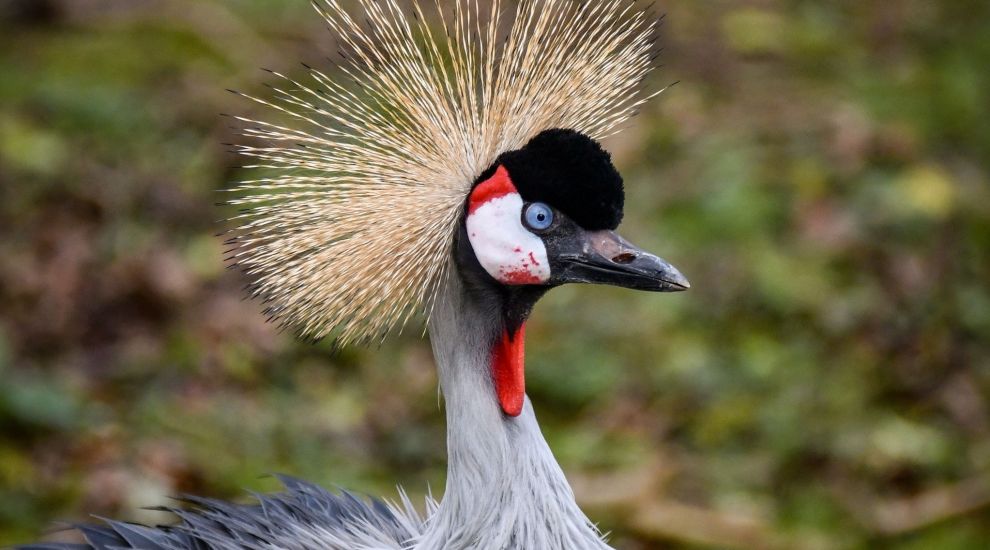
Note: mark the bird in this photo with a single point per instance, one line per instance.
(448, 173)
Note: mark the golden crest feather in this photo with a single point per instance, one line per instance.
(349, 231)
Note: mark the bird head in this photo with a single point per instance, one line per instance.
(546, 214)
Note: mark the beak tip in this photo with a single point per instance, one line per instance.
(676, 280)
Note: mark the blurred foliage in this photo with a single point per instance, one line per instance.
(820, 172)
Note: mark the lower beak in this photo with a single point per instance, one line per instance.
(604, 257)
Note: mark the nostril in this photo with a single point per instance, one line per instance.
(624, 258)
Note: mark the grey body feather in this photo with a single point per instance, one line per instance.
(303, 517)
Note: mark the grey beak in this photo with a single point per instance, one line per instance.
(604, 257)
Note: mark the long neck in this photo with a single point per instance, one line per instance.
(504, 488)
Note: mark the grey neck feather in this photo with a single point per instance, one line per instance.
(504, 490)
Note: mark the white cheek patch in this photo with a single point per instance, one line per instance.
(505, 248)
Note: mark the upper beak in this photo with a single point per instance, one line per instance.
(604, 257)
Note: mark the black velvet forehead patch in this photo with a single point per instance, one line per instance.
(572, 173)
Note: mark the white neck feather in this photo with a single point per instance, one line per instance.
(504, 490)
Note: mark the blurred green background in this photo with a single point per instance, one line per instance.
(819, 173)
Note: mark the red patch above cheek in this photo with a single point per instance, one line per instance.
(509, 371)
(499, 185)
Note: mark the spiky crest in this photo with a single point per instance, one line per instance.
(348, 231)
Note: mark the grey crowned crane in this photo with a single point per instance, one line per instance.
(452, 172)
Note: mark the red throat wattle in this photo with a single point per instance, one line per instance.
(509, 370)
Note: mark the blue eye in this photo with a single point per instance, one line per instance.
(538, 216)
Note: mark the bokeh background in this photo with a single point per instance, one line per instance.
(819, 172)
